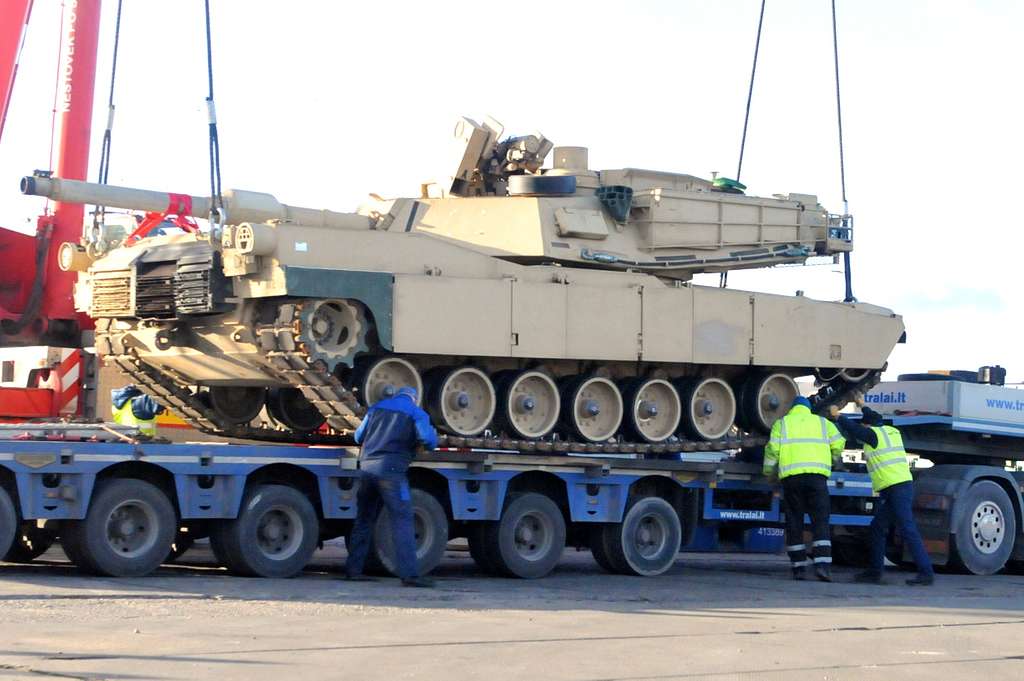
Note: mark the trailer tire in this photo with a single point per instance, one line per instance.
(183, 541)
(647, 540)
(478, 549)
(986, 528)
(30, 542)
(274, 535)
(430, 525)
(529, 538)
(142, 521)
(8, 522)
(602, 553)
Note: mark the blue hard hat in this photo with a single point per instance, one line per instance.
(802, 401)
(409, 392)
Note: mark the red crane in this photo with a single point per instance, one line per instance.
(36, 296)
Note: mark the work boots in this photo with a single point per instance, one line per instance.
(921, 580)
(823, 572)
(868, 577)
(800, 573)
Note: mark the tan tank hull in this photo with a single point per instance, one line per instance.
(525, 304)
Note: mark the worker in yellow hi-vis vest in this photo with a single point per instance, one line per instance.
(800, 452)
(130, 407)
(893, 482)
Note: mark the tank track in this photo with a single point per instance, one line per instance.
(289, 357)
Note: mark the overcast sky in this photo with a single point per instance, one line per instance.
(321, 103)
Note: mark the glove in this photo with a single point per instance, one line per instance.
(833, 412)
(858, 398)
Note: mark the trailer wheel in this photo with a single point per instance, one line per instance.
(985, 529)
(478, 550)
(183, 541)
(8, 522)
(430, 526)
(274, 535)
(645, 543)
(30, 542)
(600, 550)
(127, 531)
(529, 539)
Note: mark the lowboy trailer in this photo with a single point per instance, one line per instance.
(122, 508)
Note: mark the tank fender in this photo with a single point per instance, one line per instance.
(375, 290)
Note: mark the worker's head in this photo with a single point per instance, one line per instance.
(871, 417)
(802, 401)
(408, 391)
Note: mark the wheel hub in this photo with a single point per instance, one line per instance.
(591, 408)
(532, 536)
(987, 527)
(279, 532)
(131, 528)
(648, 410)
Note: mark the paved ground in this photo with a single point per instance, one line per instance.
(711, 617)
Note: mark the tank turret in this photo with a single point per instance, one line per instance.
(529, 304)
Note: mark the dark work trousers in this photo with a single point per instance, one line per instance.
(807, 493)
(895, 507)
(383, 483)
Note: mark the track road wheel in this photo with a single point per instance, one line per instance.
(653, 409)
(765, 398)
(8, 522)
(30, 542)
(290, 408)
(237, 405)
(591, 407)
(529, 539)
(430, 527)
(709, 407)
(126, 533)
(274, 535)
(461, 399)
(528, 403)
(382, 377)
(645, 543)
(985, 529)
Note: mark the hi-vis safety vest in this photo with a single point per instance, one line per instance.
(126, 417)
(802, 443)
(887, 463)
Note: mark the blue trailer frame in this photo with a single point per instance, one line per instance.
(54, 480)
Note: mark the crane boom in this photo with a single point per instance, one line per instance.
(36, 302)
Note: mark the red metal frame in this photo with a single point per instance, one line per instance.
(55, 315)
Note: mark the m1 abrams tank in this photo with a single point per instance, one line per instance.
(545, 306)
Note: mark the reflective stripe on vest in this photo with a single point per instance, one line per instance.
(808, 460)
(887, 463)
(126, 417)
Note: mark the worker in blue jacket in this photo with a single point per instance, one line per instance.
(130, 407)
(390, 433)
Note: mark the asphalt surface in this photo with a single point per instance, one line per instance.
(711, 617)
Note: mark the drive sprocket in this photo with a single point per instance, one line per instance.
(333, 331)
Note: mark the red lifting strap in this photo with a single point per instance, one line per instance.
(179, 212)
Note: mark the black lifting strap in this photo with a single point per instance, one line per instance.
(217, 203)
(105, 150)
(842, 163)
(750, 92)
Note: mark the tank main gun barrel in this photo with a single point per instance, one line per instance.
(240, 206)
